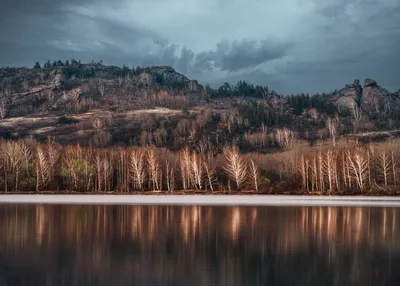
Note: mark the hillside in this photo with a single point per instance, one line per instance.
(91, 127)
(107, 105)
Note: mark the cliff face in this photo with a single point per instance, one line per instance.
(24, 91)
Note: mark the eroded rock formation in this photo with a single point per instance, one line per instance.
(372, 99)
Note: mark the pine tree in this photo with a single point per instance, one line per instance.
(47, 64)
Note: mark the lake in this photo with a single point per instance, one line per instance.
(198, 245)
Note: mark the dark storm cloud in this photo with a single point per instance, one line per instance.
(226, 56)
(42, 29)
(18, 7)
(239, 55)
(45, 22)
(204, 61)
(185, 60)
(302, 47)
(247, 53)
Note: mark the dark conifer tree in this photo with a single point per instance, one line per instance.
(47, 64)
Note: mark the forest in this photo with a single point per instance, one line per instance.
(332, 167)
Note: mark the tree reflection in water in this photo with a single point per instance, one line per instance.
(171, 245)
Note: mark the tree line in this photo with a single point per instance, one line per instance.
(351, 168)
(26, 165)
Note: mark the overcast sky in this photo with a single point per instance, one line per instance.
(289, 45)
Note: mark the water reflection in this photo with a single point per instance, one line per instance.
(161, 245)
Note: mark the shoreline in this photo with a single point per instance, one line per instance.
(206, 200)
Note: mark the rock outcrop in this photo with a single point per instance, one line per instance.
(168, 74)
(372, 99)
(24, 91)
(349, 96)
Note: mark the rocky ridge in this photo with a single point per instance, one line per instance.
(370, 98)
(25, 91)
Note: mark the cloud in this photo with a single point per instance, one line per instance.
(247, 53)
(185, 61)
(239, 55)
(290, 45)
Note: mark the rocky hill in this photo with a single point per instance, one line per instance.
(97, 104)
(26, 91)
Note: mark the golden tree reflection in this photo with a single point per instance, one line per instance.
(235, 223)
(135, 241)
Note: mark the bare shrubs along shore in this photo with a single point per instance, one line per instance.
(346, 169)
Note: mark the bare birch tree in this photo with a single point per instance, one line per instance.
(14, 155)
(170, 177)
(321, 172)
(384, 165)
(285, 138)
(395, 165)
(122, 168)
(254, 175)
(314, 174)
(236, 167)
(137, 169)
(358, 167)
(330, 170)
(303, 170)
(53, 158)
(186, 173)
(4, 166)
(209, 169)
(42, 168)
(197, 170)
(210, 173)
(154, 170)
(332, 125)
(98, 165)
(107, 170)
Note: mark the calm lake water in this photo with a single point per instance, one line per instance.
(171, 245)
